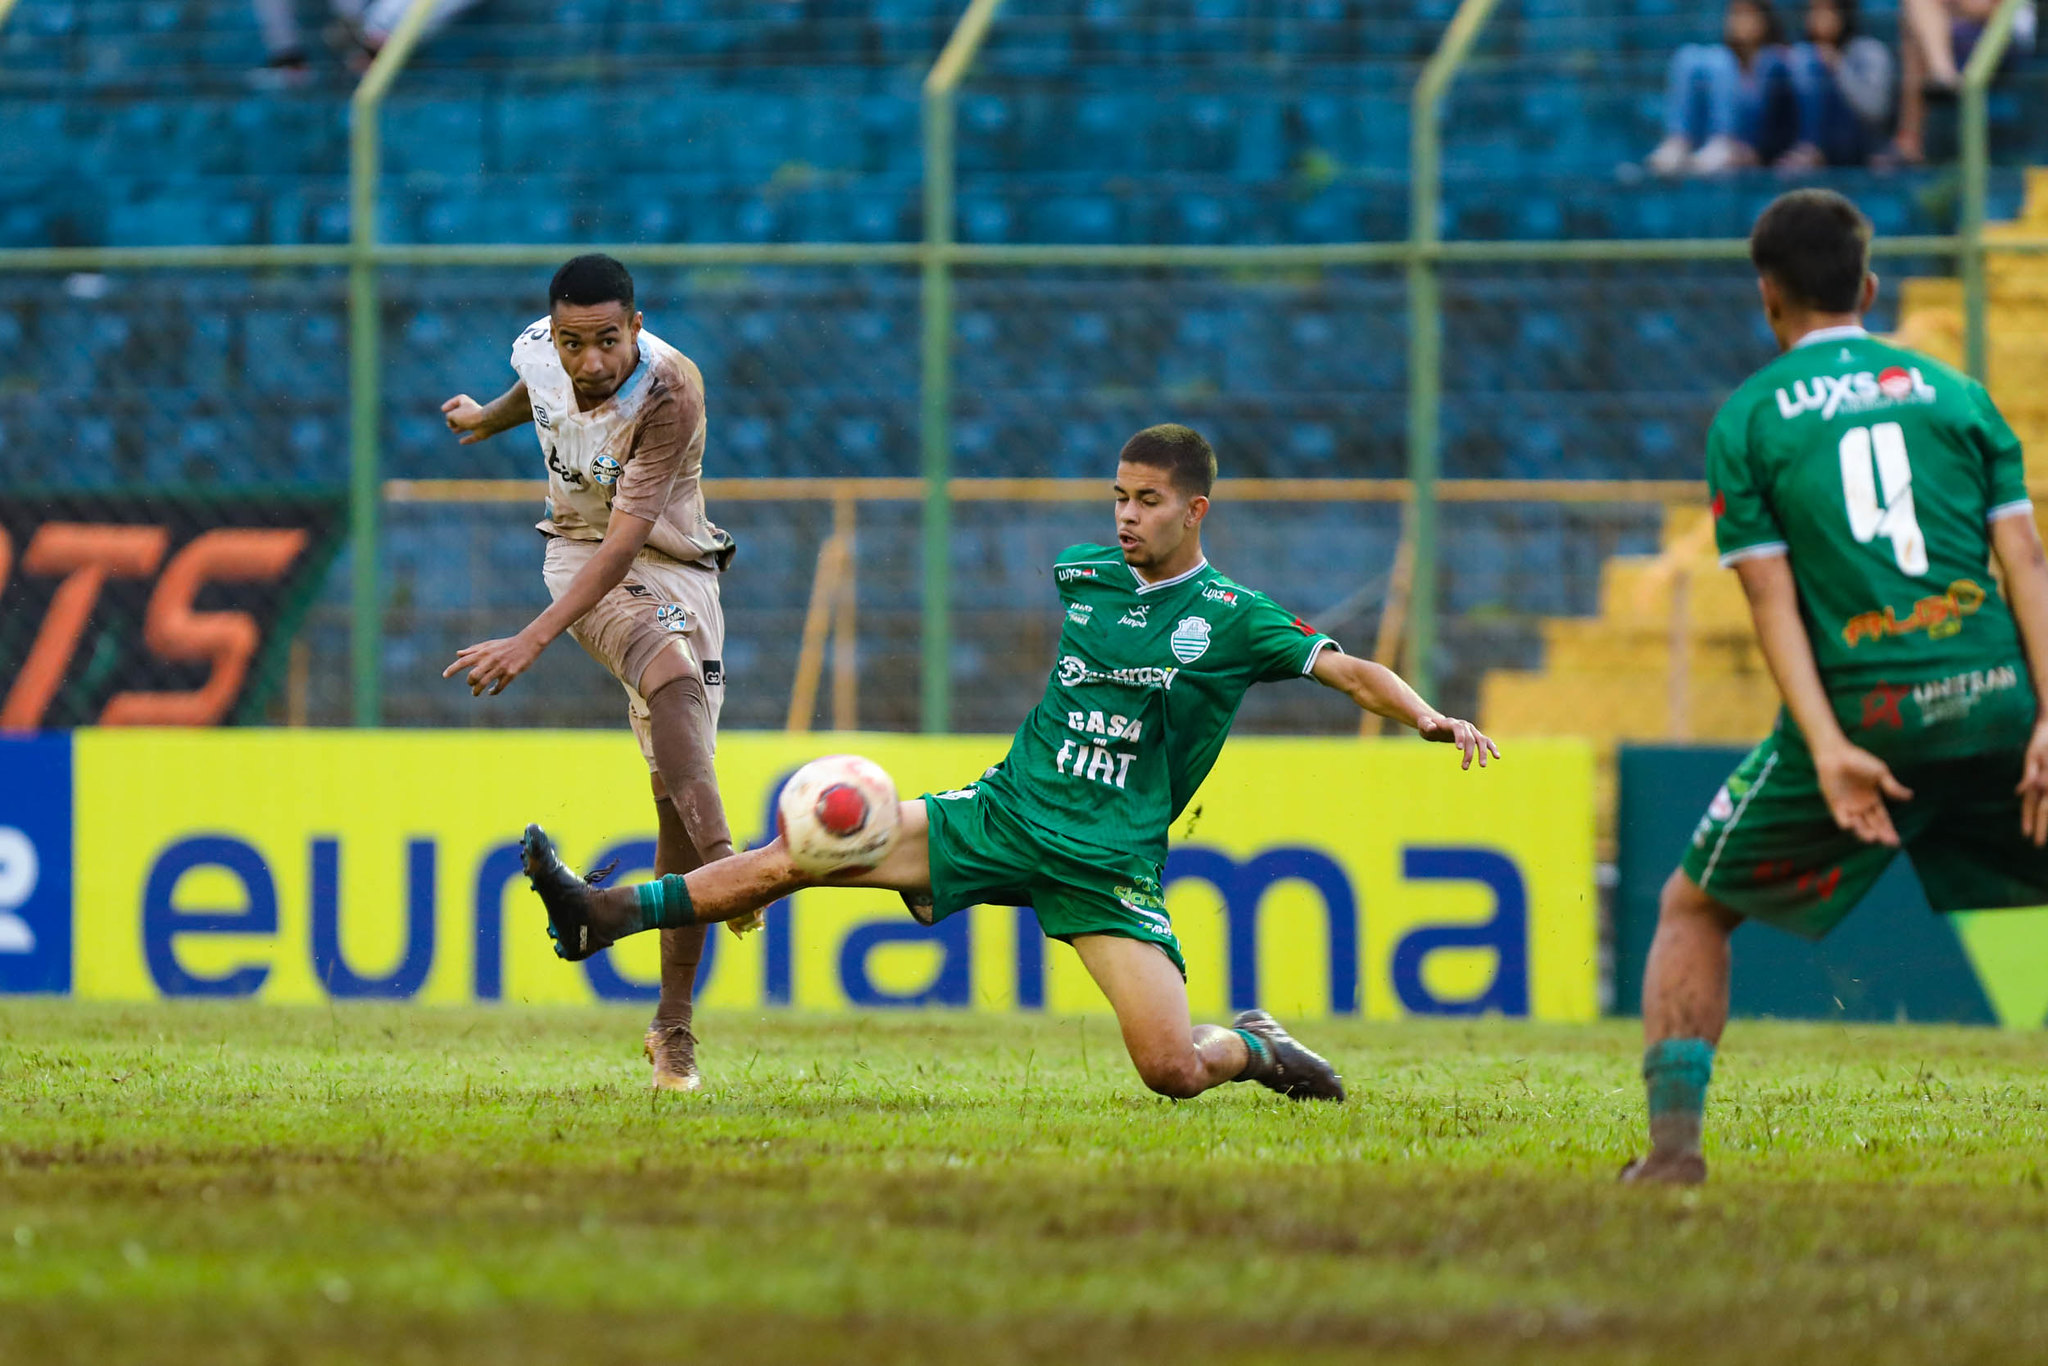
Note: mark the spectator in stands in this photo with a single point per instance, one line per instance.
(1936, 38)
(1728, 105)
(1844, 82)
(362, 26)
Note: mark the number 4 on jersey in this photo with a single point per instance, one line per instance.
(1874, 457)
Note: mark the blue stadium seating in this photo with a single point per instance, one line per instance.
(132, 122)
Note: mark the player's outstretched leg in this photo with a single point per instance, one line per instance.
(583, 919)
(1685, 1008)
(1175, 1059)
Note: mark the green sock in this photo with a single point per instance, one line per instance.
(1676, 1073)
(665, 903)
(1259, 1059)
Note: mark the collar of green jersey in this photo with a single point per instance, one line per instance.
(1144, 587)
(1846, 332)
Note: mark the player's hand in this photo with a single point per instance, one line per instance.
(1856, 784)
(494, 663)
(1448, 730)
(466, 416)
(2033, 788)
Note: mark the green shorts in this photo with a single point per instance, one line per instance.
(1768, 849)
(983, 854)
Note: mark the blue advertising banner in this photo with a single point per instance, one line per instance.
(35, 863)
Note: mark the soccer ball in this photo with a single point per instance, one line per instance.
(837, 815)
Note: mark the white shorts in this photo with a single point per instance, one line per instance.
(662, 604)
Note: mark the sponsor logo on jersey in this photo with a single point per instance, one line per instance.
(1069, 572)
(672, 617)
(1073, 672)
(1305, 628)
(714, 673)
(1860, 392)
(1953, 698)
(958, 794)
(1723, 805)
(1136, 616)
(1079, 612)
(541, 417)
(1216, 592)
(1190, 639)
(604, 471)
(1940, 617)
(638, 590)
(1881, 707)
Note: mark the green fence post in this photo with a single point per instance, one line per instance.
(935, 392)
(1425, 329)
(1976, 130)
(366, 605)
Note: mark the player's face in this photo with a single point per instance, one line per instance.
(1153, 520)
(599, 345)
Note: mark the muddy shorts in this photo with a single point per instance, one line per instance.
(662, 604)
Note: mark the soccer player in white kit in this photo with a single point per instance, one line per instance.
(632, 564)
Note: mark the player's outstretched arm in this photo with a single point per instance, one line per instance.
(1854, 781)
(2017, 543)
(493, 664)
(481, 421)
(1381, 691)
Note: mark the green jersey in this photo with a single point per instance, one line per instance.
(1148, 680)
(1878, 471)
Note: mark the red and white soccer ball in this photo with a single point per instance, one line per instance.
(837, 815)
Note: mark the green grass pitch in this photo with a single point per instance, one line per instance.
(229, 1184)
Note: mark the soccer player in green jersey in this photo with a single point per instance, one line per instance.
(1155, 655)
(1861, 492)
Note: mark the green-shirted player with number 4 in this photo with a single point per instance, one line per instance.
(1155, 655)
(1861, 492)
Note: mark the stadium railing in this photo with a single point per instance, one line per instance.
(1432, 268)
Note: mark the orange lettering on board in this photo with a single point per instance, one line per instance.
(87, 555)
(174, 630)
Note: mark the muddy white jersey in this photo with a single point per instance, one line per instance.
(640, 452)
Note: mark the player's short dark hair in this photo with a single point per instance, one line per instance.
(1816, 245)
(1189, 463)
(591, 279)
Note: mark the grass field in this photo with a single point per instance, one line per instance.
(229, 1184)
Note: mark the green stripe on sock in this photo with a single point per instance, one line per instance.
(1259, 1060)
(665, 903)
(1676, 1073)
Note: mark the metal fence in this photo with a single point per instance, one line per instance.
(934, 373)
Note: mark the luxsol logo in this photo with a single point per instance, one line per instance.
(1857, 393)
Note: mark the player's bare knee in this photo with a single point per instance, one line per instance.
(1683, 905)
(1177, 1075)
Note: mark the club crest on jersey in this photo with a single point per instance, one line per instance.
(604, 471)
(1136, 616)
(1190, 639)
(672, 617)
(1860, 392)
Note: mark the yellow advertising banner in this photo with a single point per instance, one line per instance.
(1313, 876)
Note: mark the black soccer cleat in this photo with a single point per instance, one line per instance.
(565, 895)
(1296, 1072)
(921, 907)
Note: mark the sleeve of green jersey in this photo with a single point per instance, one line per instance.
(1745, 528)
(2005, 467)
(1280, 644)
